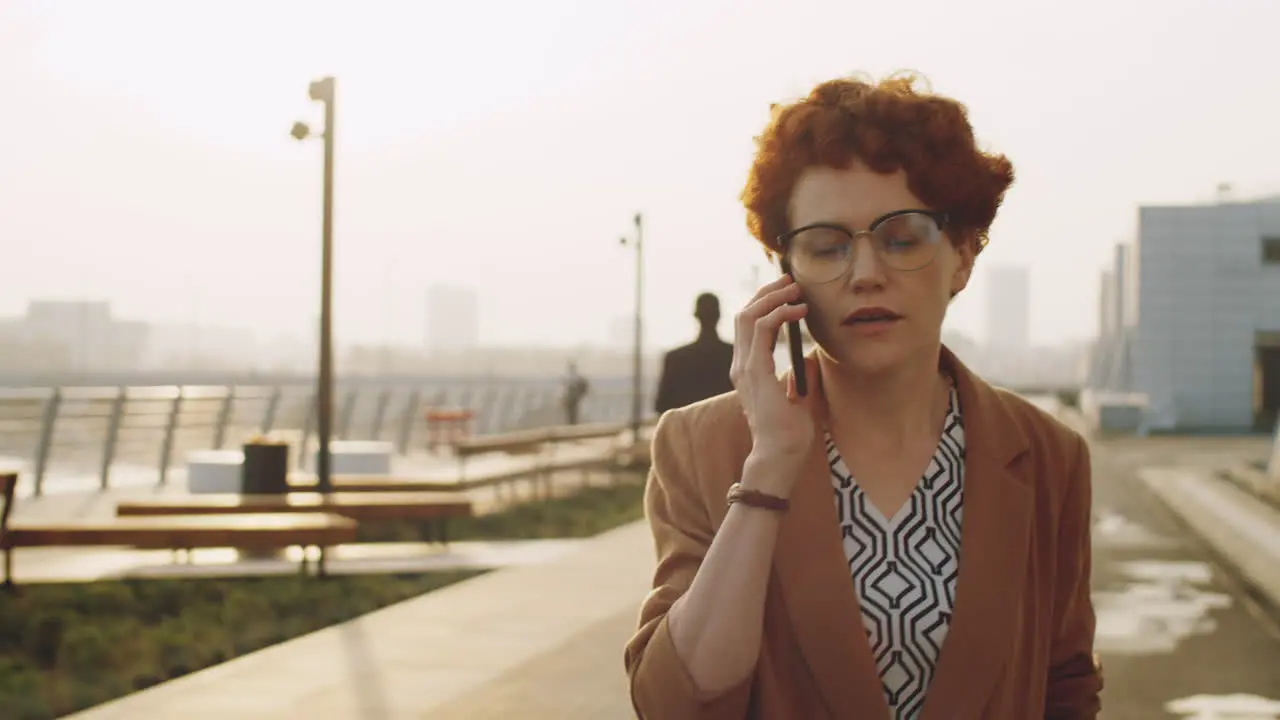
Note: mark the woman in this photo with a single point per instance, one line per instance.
(950, 577)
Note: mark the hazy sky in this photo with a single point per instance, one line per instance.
(145, 155)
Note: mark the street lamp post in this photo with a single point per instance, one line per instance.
(636, 347)
(323, 90)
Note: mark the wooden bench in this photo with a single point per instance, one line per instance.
(518, 442)
(591, 431)
(534, 441)
(378, 484)
(433, 507)
(543, 443)
(540, 442)
(184, 532)
(307, 482)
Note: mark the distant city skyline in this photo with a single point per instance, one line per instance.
(84, 340)
(511, 166)
(1009, 308)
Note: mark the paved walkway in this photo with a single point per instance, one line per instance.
(532, 642)
(1243, 532)
(1176, 626)
(64, 565)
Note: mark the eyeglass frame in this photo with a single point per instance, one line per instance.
(940, 218)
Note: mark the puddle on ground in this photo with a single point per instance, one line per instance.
(1113, 530)
(1225, 707)
(1157, 609)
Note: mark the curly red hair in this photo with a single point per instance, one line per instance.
(889, 126)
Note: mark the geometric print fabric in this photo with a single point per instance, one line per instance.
(905, 567)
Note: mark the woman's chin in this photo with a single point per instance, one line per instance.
(871, 358)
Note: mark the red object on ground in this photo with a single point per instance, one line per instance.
(446, 425)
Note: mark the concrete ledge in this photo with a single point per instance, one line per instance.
(1255, 481)
(1244, 531)
(408, 659)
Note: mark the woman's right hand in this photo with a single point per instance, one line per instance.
(783, 425)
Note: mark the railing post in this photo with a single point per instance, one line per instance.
(509, 416)
(348, 410)
(307, 426)
(410, 418)
(224, 418)
(618, 405)
(520, 407)
(45, 446)
(502, 407)
(380, 412)
(488, 400)
(273, 406)
(554, 414)
(170, 430)
(113, 432)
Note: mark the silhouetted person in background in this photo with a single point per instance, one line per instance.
(700, 369)
(575, 390)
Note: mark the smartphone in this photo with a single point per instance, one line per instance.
(794, 339)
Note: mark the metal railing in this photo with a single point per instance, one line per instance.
(79, 430)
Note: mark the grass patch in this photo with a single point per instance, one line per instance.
(590, 511)
(66, 647)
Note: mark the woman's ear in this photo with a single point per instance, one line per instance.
(964, 267)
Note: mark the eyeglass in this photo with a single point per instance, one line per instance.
(905, 240)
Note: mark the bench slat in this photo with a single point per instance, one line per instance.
(593, 431)
(512, 443)
(373, 484)
(531, 441)
(266, 530)
(358, 506)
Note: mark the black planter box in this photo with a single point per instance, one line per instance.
(265, 469)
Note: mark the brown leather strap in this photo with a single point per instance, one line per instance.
(755, 498)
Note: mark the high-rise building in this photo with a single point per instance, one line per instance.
(453, 319)
(1192, 317)
(1009, 308)
(92, 337)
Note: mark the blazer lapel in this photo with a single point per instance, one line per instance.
(819, 594)
(820, 598)
(998, 505)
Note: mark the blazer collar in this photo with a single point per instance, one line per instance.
(823, 605)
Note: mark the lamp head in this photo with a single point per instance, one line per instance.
(322, 89)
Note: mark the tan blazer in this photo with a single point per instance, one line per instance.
(1021, 638)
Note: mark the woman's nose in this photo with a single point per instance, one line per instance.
(866, 270)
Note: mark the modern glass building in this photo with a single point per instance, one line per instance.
(1190, 318)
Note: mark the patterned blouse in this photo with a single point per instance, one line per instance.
(905, 567)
